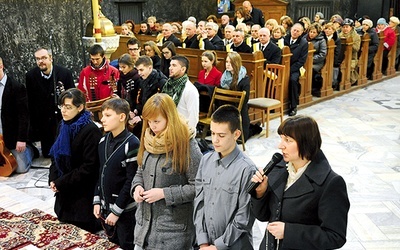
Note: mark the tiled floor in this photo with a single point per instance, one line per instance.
(361, 138)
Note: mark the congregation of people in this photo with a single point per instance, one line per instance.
(139, 173)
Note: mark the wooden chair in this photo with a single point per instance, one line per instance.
(227, 97)
(95, 108)
(273, 84)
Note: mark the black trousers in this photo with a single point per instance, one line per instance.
(294, 89)
(122, 233)
(385, 60)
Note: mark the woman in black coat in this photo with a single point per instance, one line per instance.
(330, 33)
(75, 164)
(304, 200)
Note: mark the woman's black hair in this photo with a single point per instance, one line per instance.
(77, 96)
(304, 130)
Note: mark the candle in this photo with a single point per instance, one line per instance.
(96, 21)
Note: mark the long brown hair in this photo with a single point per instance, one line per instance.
(176, 132)
(236, 62)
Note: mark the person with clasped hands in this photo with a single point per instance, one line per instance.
(304, 200)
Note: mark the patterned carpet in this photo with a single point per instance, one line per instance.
(44, 231)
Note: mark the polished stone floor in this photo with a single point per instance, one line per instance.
(361, 139)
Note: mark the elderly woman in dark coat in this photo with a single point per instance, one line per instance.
(304, 200)
(367, 27)
(75, 163)
(330, 33)
(317, 39)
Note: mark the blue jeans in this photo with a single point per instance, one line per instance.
(24, 159)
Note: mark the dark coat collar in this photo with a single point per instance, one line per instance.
(316, 172)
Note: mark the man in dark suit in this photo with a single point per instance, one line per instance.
(14, 122)
(224, 22)
(272, 53)
(209, 38)
(191, 37)
(299, 48)
(43, 91)
(257, 17)
(238, 44)
(168, 36)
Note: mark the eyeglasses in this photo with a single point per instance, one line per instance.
(166, 52)
(43, 58)
(67, 107)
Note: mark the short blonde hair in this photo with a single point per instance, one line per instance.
(281, 28)
(152, 19)
(394, 20)
(271, 22)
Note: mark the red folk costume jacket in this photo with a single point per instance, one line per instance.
(97, 83)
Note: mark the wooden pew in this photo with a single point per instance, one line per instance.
(254, 64)
(377, 74)
(145, 38)
(345, 66)
(124, 39)
(122, 48)
(306, 79)
(363, 60)
(327, 70)
(392, 57)
(286, 55)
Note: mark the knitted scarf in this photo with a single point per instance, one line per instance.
(175, 87)
(61, 149)
(155, 144)
(226, 79)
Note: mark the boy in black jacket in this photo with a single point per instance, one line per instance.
(117, 153)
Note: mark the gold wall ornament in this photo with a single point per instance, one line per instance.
(100, 26)
(101, 31)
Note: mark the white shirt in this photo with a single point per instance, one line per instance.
(293, 174)
(189, 104)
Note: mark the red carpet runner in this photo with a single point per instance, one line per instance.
(45, 232)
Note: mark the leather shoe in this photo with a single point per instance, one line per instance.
(293, 112)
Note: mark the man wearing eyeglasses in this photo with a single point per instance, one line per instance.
(99, 79)
(134, 48)
(44, 83)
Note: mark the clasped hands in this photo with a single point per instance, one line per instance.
(133, 118)
(149, 196)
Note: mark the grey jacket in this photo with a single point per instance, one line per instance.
(166, 224)
(319, 43)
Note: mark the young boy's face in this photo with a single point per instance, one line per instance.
(144, 71)
(111, 120)
(223, 140)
